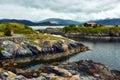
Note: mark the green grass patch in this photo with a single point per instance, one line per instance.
(91, 30)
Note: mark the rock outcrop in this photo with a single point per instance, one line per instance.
(26, 52)
(108, 36)
(81, 70)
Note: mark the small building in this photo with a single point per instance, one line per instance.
(90, 24)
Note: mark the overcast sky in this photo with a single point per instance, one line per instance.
(80, 10)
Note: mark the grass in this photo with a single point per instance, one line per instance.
(17, 28)
(28, 32)
(92, 30)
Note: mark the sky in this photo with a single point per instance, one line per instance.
(79, 10)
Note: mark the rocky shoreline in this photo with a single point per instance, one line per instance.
(81, 70)
(84, 36)
(15, 54)
(93, 37)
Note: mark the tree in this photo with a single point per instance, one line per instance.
(8, 30)
(66, 29)
(70, 28)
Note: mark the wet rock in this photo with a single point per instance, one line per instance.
(20, 77)
(34, 49)
(48, 44)
(59, 71)
(35, 74)
(87, 77)
(73, 72)
(11, 74)
(65, 47)
(46, 76)
(41, 78)
(75, 77)
(1, 70)
(49, 69)
(5, 55)
(58, 48)
(12, 50)
(97, 70)
(6, 75)
(18, 71)
(81, 70)
(8, 49)
(116, 73)
(23, 51)
(3, 77)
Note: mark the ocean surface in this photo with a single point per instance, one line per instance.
(43, 27)
(107, 53)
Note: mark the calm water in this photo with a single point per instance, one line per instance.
(107, 53)
(43, 27)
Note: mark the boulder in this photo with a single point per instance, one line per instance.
(48, 44)
(18, 71)
(20, 77)
(8, 49)
(1, 70)
(41, 78)
(5, 75)
(75, 77)
(23, 50)
(34, 49)
(65, 47)
(5, 55)
(59, 71)
(58, 47)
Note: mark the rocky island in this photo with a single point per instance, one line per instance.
(90, 33)
(21, 46)
(26, 45)
(81, 70)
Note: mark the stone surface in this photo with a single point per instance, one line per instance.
(11, 50)
(81, 70)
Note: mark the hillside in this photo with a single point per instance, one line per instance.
(17, 28)
(57, 21)
(98, 29)
(47, 22)
(9, 29)
(109, 21)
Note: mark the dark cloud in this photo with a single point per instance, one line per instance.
(70, 9)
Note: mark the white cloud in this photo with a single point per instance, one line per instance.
(79, 10)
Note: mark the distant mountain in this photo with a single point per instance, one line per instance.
(109, 21)
(61, 21)
(27, 22)
(47, 22)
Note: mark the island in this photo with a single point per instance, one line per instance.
(22, 46)
(90, 31)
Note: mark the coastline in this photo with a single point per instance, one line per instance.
(96, 38)
(80, 70)
(42, 59)
(83, 36)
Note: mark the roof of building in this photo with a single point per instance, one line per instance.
(91, 23)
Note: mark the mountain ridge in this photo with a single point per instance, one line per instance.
(46, 22)
(61, 22)
(114, 21)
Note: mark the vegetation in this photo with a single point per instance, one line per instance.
(91, 30)
(70, 28)
(8, 29)
(17, 28)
